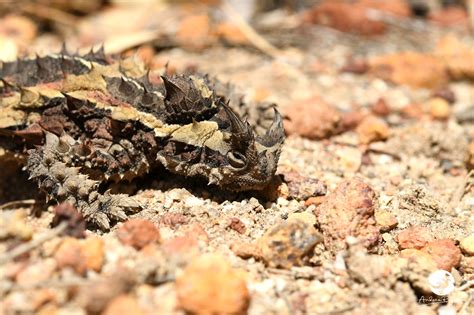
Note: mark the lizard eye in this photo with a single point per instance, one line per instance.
(237, 160)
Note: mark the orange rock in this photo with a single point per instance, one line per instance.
(345, 17)
(209, 285)
(123, 304)
(412, 110)
(372, 129)
(93, 250)
(439, 108)
(400, 8)
(231, 34)
(195, 32)
(354, 16)
(70, 255)
(444, 252)
(314, 201)
(138, 233)
(313, 119)
(246, 250)
(19, 28)
(349, 211)
(417, 70)
(452, 16)
(414, 237)
(456, 56)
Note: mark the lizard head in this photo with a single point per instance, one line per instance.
(223, 148)
(251, 160)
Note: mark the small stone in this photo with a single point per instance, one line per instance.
(180, 248)
(467, 245)
(95, 296)
(314, 201)
(412, 110)
(246, 250)
(425, 260)
(237, 225)
(19, 28)
(70, 255)
(467, 264)
(209, 285)
(354, 17)
(456, 54)
(288, 243)
(232, 34)
(451, 16)
(194, 32)
(356, 65)
(439, 108)
(385, 220)
(13, 224)
(446, 94)
(414, 237)
(198, 232)
(350, 120)
(35, 273)
(123, 304)
(183, 248)
(138, 233)
(414, 69)
(93, 250)
(444, 252)
(306, 217)
(349, 211)
(372, 129)
(42, 297)
(173, 220)
(302, 188)
(313, 119)
(193, 201)
(381, 108)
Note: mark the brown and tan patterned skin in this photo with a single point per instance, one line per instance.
(79, 121)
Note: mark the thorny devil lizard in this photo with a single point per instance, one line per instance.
(80, 121)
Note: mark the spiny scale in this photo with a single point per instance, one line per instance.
(84, 120)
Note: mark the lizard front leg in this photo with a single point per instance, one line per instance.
(56, 168)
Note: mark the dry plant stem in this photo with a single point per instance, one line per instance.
(118, 44)
(17, 204)
(24, 248)
(50, 14)
(257, 40)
